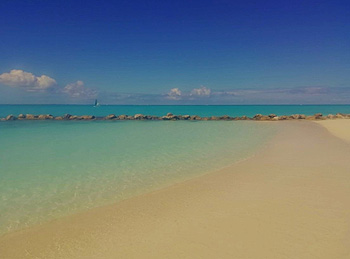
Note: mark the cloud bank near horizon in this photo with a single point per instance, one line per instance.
(29, 82)
(26, 80)
(77, 92)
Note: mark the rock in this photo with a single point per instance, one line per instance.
(340, 116)
(195, 118)
(45, 117)
(87, 117)
(30, 117)
(272, 115)
(244, 118)
(318, 116)
(110, 117)
(214, 118)
(122, 117)
(265, 118)
(129, 117)
(10, 117)
(73, 117)
(170, 116)
(295, 116)
(186, 117)
(66, 116)
(257, 116)
(284, 117)
(225, 117)
(139, 117)
(21, 117)
(58, 118)
(331, 116)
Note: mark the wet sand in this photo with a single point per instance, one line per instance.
(291, 200)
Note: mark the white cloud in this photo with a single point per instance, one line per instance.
(202, 92)
(28, 81)
(174, 94)
(78, 90)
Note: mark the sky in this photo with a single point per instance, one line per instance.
(175, 52)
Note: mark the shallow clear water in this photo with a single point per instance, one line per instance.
(201, 110)
(50, 168)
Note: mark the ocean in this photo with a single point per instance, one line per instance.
(50, 169)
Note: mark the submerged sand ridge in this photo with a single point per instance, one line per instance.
(292, 200)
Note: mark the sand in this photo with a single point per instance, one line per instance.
(291, 200)
(339, 128)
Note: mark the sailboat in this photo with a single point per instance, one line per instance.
(96, 103)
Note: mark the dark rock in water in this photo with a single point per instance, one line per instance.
(73, 117)
(87, 117)
(122, 117)
(195, 118)
(272, 115)
(59, 118)
(30, 117)
(139, 117)
(225, 117)
(45, 117)
(170, 116)
(10, 117)
(129, 117)
(66, 116)
(110, 117)
(21, 116)
(186, 117)
(166, 118)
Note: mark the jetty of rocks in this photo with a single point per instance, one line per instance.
(172, 117)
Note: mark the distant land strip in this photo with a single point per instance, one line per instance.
(172, 117)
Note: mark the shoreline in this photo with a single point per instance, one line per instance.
(289, 200)
(339, 128)
(172, 117)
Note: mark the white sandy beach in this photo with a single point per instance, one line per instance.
(292, 200)
(339, 128)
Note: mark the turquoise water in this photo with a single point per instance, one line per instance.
(49, 169)
(201, 110)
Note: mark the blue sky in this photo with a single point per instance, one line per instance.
(175, 52)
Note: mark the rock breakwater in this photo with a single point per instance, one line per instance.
(172, 117)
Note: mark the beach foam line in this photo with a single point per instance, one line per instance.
(172, 117)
